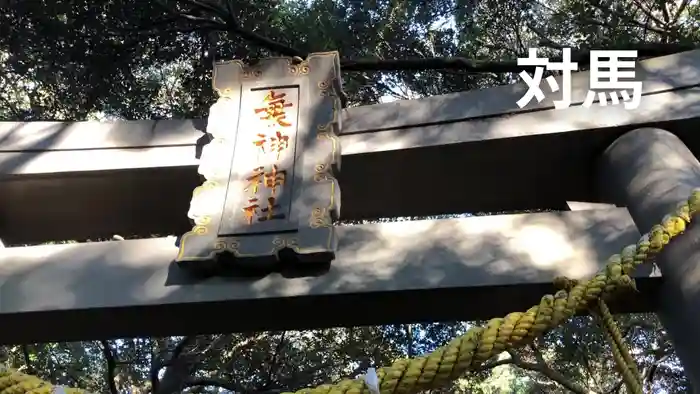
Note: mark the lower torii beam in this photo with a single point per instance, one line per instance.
(384, 273)
(650, 171)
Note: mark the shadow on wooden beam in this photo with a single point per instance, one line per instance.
(429, 270)
(514, 174)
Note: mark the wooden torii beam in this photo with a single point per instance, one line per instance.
(532, 158)
(137, 177)
(428, 270)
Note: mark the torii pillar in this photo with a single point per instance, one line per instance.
(650, 171)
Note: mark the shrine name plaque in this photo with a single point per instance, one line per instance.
(270, 168)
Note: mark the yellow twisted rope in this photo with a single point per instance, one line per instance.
(624, 361)
(628, 368)
(13, 382)
(468, 351)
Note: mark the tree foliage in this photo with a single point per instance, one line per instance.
(572, 357)
(77, 60)
(144, 60)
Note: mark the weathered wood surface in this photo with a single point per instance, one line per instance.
(45, 148)
(659, 75)
(518, 173)
(389, 272)
(529, 159)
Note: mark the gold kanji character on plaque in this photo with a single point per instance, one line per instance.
(255, 180)
(274, 178)
(251, 210)
(260, 142)
(278, 143)
(275, 109)
(269, 211)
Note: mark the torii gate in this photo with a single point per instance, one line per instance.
(464, 152)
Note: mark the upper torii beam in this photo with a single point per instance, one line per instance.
(481, 150)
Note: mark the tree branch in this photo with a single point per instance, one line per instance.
(545, 370)
(179, 369)
(680, 10)
(206, 6)
(233, 26)
(409, 340)
(544, 40)
(616, 387)
(630, 21)
(435, 63)
(496, 363)
(223, 383)
(274, 362)
(111, 366)
(180, 347)
(153, 373)
(648, 376)
(218, 18)
(27, 360)
(648, 13)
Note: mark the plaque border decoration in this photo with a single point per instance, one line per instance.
(315, 239)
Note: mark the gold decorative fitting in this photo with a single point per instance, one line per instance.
(323, 177)
(324, 131)
(281, 243)
(200, 230)
(299, 69)
(252, 73)
(207, 185)
(320, 217)
(220, 245)
(327, 88)
(322, 173)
